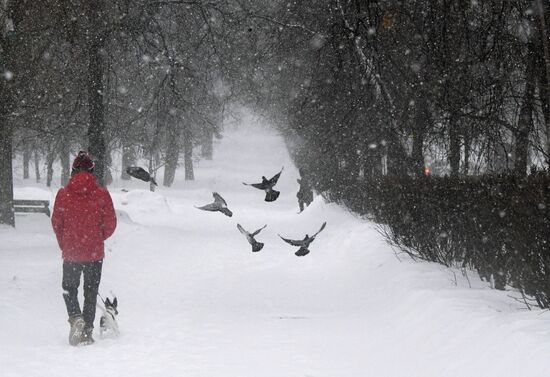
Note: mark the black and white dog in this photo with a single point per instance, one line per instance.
(107, 322)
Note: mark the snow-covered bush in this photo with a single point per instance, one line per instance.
(498, 225)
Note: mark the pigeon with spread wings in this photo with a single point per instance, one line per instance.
(256, 246)
(267, 185)
(219, 205)
(304, 243)
(140, 173)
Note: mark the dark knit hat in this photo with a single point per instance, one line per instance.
(83, 162)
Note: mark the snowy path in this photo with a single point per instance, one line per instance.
(194, 301)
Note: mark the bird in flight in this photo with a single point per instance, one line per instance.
(267, 185)
(219, 205)
(256, 246)
(304, 243)
(140, 173)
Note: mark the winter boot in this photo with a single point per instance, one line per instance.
(77, 327)
(87, 338)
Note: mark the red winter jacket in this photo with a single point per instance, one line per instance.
(83, 217)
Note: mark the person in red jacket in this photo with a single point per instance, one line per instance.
(83, 217)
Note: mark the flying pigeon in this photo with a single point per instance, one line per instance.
(219, 204)
(140, 173)
(256, 246)
(267, 185)
(303, 244)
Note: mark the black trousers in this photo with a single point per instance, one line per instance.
(71, 281)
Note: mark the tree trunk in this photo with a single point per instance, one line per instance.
(49, 166)
(65, 158)
(172, 155)
(7, 103)
(172, 122)
(188, 153)
(418, 135)
(467, 150)
(96, 90)
(172, 149)
(37, 165)
(454, 147)
(525, 119)
(27, 153)
(6, 173)
(545, 74)
(522, 145)
(151, 185)
(544, 91)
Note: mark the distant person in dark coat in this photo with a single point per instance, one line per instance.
(305, 193)
(83, 218)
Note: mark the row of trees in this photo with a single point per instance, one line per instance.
(146, 78)
(396, 87)
(361, 88)
(376, 93)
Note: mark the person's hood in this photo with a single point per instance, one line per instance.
(82, 183)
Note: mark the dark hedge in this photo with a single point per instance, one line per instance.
(499, 226)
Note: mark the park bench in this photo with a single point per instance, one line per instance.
(34, 206)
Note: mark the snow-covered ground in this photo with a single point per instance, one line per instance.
(195, 301)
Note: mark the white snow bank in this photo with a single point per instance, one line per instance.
(195, 301)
